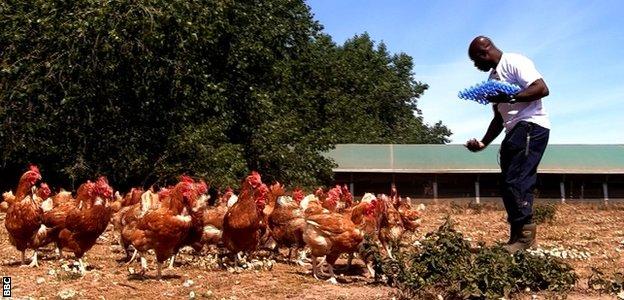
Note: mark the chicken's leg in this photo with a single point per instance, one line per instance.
(302, 256)
(34, 263)
(134, 255)
(371, 271)
(143, 265)
(59, 252)
(332, 278)
(349, 263)
(24, 257)
(314, 267)
(159, 266)
(388, 250)
(82, 267)
(238, 259)
(173, 257)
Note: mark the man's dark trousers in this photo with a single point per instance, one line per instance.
(520, 154)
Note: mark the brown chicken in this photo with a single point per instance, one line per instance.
(213, 224)
(267, 241)
(409, 214)
(287, 224)
(43, 192)
(390, 226)
(127, 217)
(85, 222)
(213, 219)
(131, 198)
(330, 235)
(346, 197)
(366, 215)
(225, 197)
(332, 199)
(7, 198)
(55, 213)
(162, 229)
(241, 224)
(275, 191)
(198, 203)
(23, 218)
(311, 205)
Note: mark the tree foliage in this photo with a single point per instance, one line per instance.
(142, 91)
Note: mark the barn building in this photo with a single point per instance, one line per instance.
(567, 172)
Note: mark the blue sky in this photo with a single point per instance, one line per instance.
(578, 46)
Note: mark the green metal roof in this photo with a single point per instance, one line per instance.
(401, 158)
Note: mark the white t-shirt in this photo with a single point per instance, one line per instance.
(519, 70)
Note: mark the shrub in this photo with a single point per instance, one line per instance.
(598, 281)
(445, 264)
(543, 213)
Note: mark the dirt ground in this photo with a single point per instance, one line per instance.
(592, 236)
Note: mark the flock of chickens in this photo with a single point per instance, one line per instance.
(326, 223)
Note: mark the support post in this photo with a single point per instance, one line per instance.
(582, 190)
(435, 187)
(351, 185)
(562, 190)
(477, 192)
(605, 192)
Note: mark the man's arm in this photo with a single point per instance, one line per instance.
(495, 128)
(535, 91)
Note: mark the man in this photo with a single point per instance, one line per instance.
(526, 127)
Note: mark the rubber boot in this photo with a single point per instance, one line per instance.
(526, 239)
(514, 233)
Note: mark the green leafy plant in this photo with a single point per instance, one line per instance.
(543, 213)
(614, 285)
(446, 264)
(476, 208)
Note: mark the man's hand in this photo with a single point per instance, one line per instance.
(474, 145)
(501, 97)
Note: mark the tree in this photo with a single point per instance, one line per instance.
(142, 91)
(366, 95)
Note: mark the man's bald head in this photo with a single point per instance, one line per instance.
(479, 44)
(484, 54)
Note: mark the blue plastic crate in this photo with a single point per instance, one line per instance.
(483, 90)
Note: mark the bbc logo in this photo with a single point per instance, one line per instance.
(6, 287)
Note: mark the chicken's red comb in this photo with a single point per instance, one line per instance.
(202, 187)
(261, 196)
(298, 194)
(44, 190)
(186, 178)
(102, 187)
(254, 179)
(89, 187)
(319, 191)
(34, 168)
(335, 192)
(332, 199)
